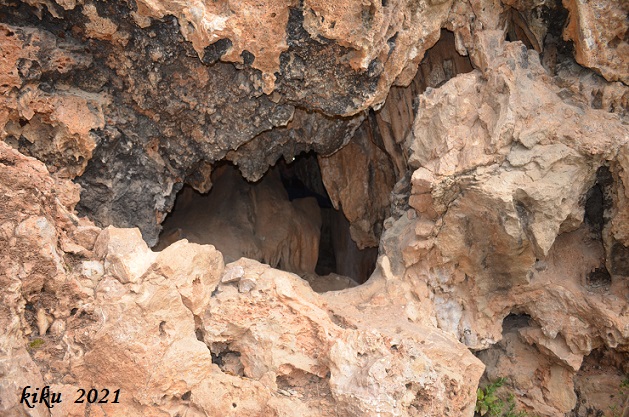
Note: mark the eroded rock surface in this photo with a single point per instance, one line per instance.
(177, 331)
(513, 212)
(599, 31)
(490, 173)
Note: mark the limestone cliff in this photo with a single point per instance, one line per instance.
(442, 185)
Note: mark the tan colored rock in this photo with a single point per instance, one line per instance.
(395, 118)
(410, 383)
(34, 274)
(204, 23)
(195, 270)
(43, 322)
(556, 346)
(125, 254)
(132, 333)
(618, 229)
(102, 28)
(500, 190)
(330, 282)
(598, 30)
(57, 328)
(521, 182)
(516, 207)
(20, 371)
(601, 384)
(271, 348)
(547, 387)
(365, 30)
(56, 125)
(616, 232)
(367, 362)
(358, 179)
(604, 95)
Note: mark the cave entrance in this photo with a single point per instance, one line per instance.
(285, 219)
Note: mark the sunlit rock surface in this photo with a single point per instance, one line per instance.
(479, 150)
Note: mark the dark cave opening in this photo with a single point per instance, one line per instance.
(598, 211)
(599, 278)
(515, 321)
(598, 202)
(541, 29)
(286, 219)
(517, 29)
(338, 253)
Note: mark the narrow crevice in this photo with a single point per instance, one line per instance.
(598, 203)
(598, 200)
(599, 278)
(226, 359)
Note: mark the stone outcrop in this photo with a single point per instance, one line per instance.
(478, 150)
(55, 126)
(599, 32)
(177, 331)
(336, 61)
(514, 212)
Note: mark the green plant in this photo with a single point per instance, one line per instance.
(511, 411)
(36, 344)
(616, 409)
(488, 403)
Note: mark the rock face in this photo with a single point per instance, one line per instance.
(336, 61)
(177, 330)
(599, 32)
(515, 212)
(476, 152)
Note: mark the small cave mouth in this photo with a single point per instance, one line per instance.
(286, 220)
(226, 359)
(598, 200)
(515, 321)
(598, 207)
(599, 278)
(541, 29)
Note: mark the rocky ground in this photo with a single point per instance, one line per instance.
(407, 206)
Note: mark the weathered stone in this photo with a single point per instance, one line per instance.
(548, 387)
(600, 384)
(194, 269)
(359, 179)
(492, 190)
(599, 31)
(125, 254)
(346, 360)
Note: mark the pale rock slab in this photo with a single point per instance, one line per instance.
(194, 269)
(124, 252)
